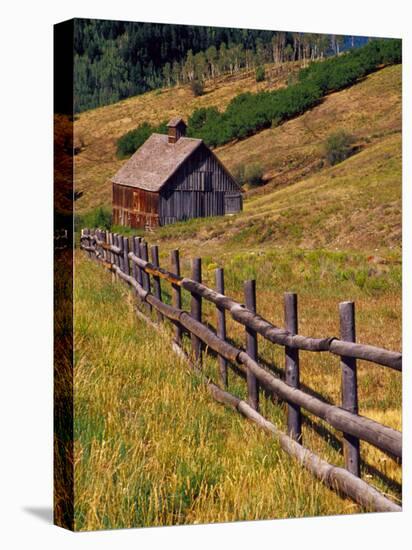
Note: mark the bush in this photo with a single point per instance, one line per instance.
(338, 147)
(254, 174)
(208, 124)
(98, 218)
(239, 174)
(260, 73)
(130, 142)
(197, 88)
(249, 113)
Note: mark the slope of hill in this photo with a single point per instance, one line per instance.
(99, 129)
(329, 233)
(371, 110)
(353, 205)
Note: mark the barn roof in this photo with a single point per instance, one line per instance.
(155, 161)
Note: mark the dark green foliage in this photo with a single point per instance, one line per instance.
(99, 217)
(130, 142)
(197, 87)
(254, 173)
(248, 113)
(207, 123)
(337, 73)
(339, 146)
(260, 73)
(118, 59)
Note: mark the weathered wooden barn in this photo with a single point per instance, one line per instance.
(172, 178)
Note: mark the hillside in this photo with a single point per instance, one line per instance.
(99, 129)
(354, 205)
(371, 110)
(288, 153)
(328, 233)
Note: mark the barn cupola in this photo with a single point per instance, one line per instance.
(176, 129)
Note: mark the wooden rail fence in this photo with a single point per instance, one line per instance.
(128, 259)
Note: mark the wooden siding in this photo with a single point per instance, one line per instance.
(134, 207)
(201, 187)
(198, 189)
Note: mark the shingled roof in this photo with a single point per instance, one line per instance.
(175, 121)
(155, 161)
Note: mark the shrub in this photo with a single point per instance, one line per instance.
(338, 147)
(254, 174)
(239, 174)
(249, 113)
(197, 88)
(208, 124)
(260, 73)
(99, 217)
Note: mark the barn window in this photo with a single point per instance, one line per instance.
(206, 181)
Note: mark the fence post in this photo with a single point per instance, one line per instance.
(139, 277)
(351, 449)
(110, 241)
(176, 292)
(292, 364)
(99, 235)
(145, 257)
(251, 345)
(90, 234)
(196, 308)
(125, 247)
(134, 266)
(121, 257)
(89, 242)
(154, 251)
(115, 255)
(145, 276)
(96, 248)
(221, 324)
(104, 251)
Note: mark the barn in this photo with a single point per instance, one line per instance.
(172, 178)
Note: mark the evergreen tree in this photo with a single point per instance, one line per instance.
(167, 73)
(117, 59)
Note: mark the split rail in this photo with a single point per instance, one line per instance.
(128, 259)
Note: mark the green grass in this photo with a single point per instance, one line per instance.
(153, 448)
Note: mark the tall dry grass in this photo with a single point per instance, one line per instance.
(152, 448)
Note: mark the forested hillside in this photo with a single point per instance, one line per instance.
(117, 59)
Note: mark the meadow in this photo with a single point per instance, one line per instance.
(151, 446)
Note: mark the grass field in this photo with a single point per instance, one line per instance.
(152, 448)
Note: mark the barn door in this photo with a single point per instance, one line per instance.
(232, 203)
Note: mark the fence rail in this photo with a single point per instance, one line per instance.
(129, 260)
